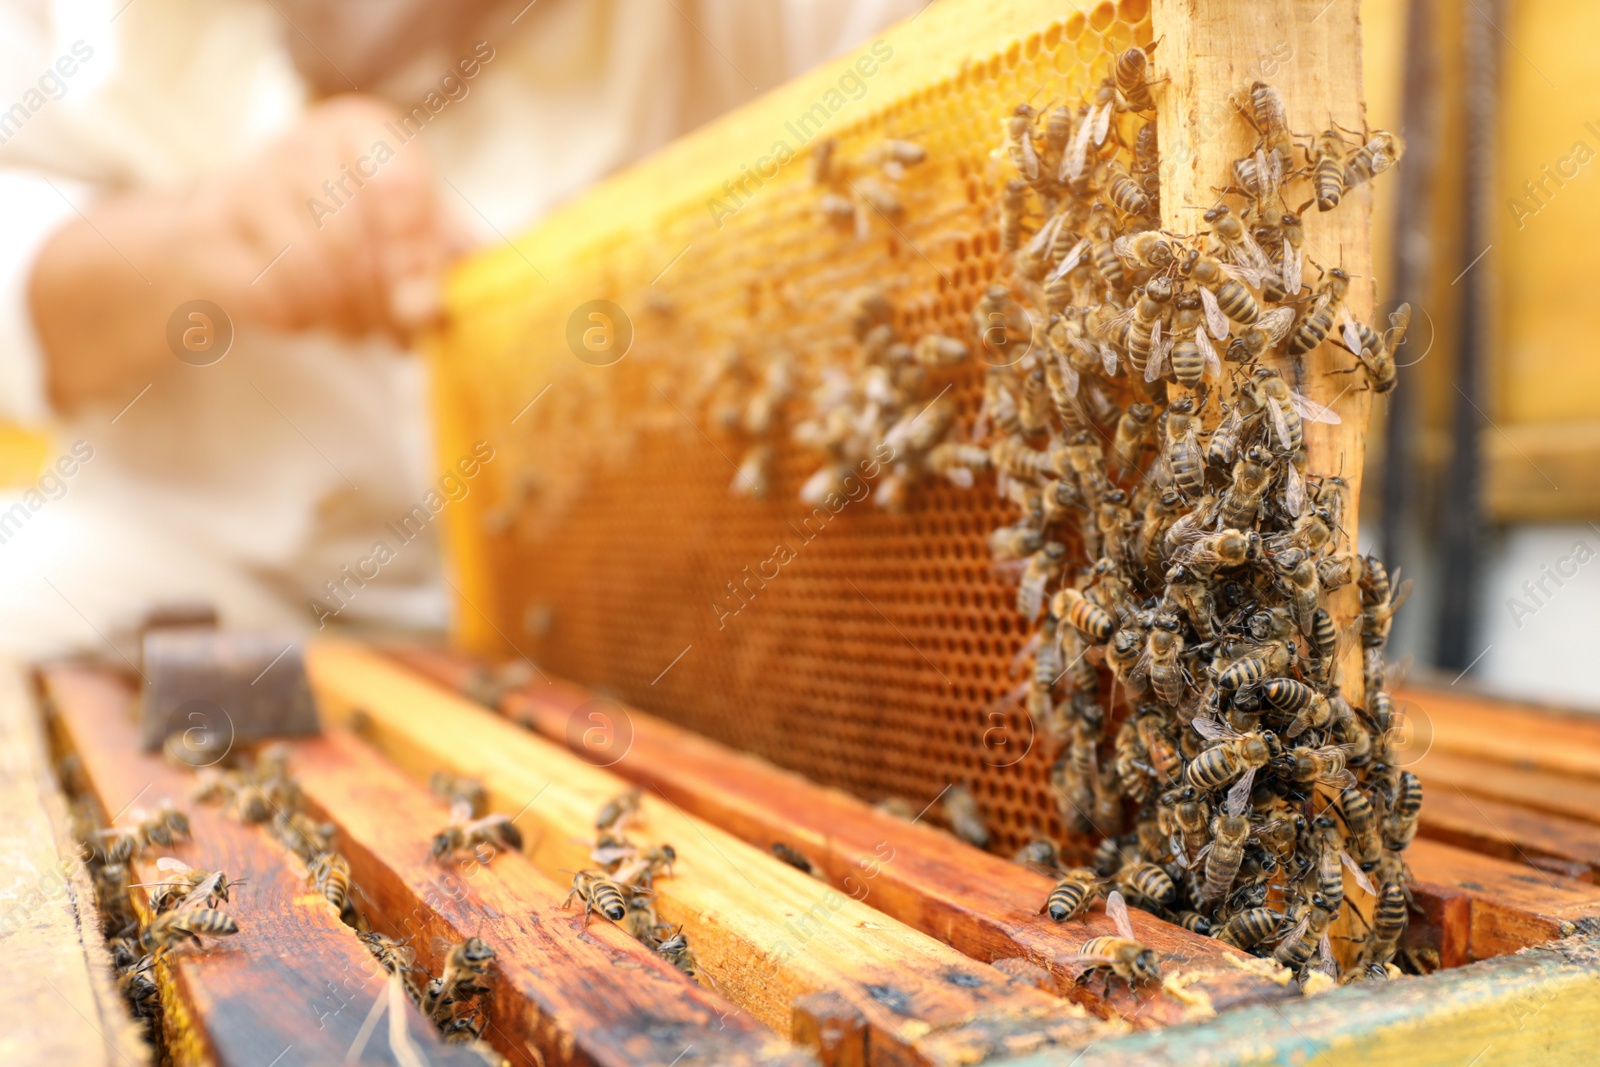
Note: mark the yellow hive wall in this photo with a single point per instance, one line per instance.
(877, 657)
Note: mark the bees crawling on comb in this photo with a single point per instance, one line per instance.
(1171, 533)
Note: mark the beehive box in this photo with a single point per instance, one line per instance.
(595, 543)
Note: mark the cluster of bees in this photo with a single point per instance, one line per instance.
(1230, 781)
(1140, 413)
(620, 885)
(182, 908)
(263, 793)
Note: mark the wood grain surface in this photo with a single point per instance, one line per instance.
(294, 985)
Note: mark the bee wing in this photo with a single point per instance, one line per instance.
(487, 821)
(1275, 324)
(1077, 153)
(1117, 912)
(1401, 594)
(1325, 961)
(1108, 359)
(1216, 321)
(461, 813)
(1115, 323)
(1349, 332)
(1280, 424)
(1312, 411)
(1123, 247)
(171, 863)
(1294, 490)
(1071, 260)
(1394, 674)
(1291, 268)
(201, 892)
(1045, 240)
(1298, 930)
(1357, 873)
(1208, 353)
(1190, 447)
(1158, 353)
(1030, 158)
(1342, 780)
(1270, 171)
(1239, 793)
(1088, 959)
(1212, 729)
(1102, 122)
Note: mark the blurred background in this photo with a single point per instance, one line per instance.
(298, 175)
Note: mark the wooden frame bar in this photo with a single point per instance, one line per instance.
(771, 937)
(61, 1004)
(569, 993)
(294, 985)
(978, 902)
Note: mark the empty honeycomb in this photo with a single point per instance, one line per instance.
(871, 651)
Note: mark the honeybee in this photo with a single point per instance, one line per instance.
(1222, 296)
(675, 950)
(1250, 927)
(793, 857)
(1270, 116)
(963, 817)
(1195, 923)
(1133, 434)
(466, 969)
(1039, 854)
(330, 873)
(250, 804)
(1146, 249)
(1164, 757)
(1160, 661)
(1269, 330)
(957, 461)
(1389, 920)
(303, 835)
(1148, 881)
(1232, 236)
(1378, 153)
(1147, 161)
(465, 834)
(1309, 935)
(396, 957)
(1043, 567)
(1310, 708)
(1225, 852)
(1361, 819)
(1193, 355)
(1287, 409)
(1231, 755)
(1400, 824)
(1242, 499)
(1126, 194)
(1380, 599)
(598, 894)
(181, 925)
(186, 887)
(1013, 208)
(895, 154)
(1122, 955)
(1327, 170)
(937, 350)
(644, 866)
(1207, 553)
(1019, 142)
(618, 811)
(1073, 894)
(1183, 458)
(1129, 73)
(1314, 325)
(117, 844)
(1057, 134)
(837, 209)
(1094, 622)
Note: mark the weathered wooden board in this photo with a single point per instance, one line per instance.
(568, 993)
(1513, 832)
(1467, 725)
(1537, 1007)
(1513, 905)
(60, 998)
(1535, 789)
(294, 985)
(767, 934)
(978, 902)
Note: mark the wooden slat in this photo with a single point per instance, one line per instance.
(978, 902)
(1537, 1007)
(1520, 734)
(293, 986)
(1512, 905)
(766, 933)
(60, 1000)
(1539, 790)
(1513, 832)
(573, 995)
